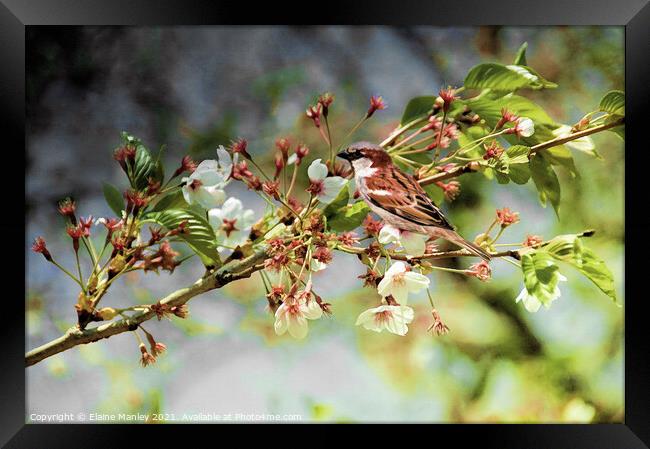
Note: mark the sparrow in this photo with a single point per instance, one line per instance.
(398, 198)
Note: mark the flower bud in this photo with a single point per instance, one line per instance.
(376, 104)
(239, 146)
(279, 165)
(301, 152)
(326, 101)
(67, 208)
(313, 112)
(107, 313)
(448, 96)
(39, 247)
(187, 165)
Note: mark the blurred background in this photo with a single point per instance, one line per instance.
(193, 88)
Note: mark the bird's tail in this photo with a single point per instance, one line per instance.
(454, 237)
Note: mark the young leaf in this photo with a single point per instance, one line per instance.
(144, 168)
(561, 155)
(505, 77)
(569, 249)
(489, 109)
(541, 276)
(584, 144)
(518, 170)
(418, 107)
(518, 154)
(546, 182)
(613, 102)
(201, 238)
(114, 198)
(594, 268)
(519, 173)
(349, 217)
(520, 58)
(340, 201)
(173, 200)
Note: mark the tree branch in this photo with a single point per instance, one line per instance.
(467, 168)
(74, 336)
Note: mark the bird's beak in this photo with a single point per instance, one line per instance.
(343, 155)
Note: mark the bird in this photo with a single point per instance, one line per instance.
(398, 198)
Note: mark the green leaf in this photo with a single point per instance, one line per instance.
(114, 198)
(619, 131)
(541, 276)
(173, 200)
(520, 58)
(560, 155)
(145, 168)
(418, 107)
(339, 202)
(513, 165)
(519, 173)
(201, 238)
(489, 109)
(595, 269)
(349, 217)
(569, 249)
(505, 78)
(518, 154)
(583, 144)
(546, 182)
(613, 102)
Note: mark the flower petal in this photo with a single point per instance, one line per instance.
(395, 268)
(281, 322)
(331, 188)
(400, 293)
(312, 311)
(365, 316)
(414, 244)
(388, 234)
(415, 281)
(298, 327)
(317, 171)
(232, 208)
(225, 161)
(210, 197)
(215, 218)
(188, 195)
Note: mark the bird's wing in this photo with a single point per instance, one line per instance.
(401, 195)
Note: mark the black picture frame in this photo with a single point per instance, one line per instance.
(634, 15)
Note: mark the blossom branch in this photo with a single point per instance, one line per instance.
(74, 336)
(469, 167)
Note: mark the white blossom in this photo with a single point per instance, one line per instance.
(324, 188)
(414, 244)
(232, 222)
(399, 282)
(525, 127)
(532, 303)
(205, 185)
(293, 314)
(392, 318)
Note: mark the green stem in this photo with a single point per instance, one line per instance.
(329, 141)
(430, 299)
(399, 131)
(353, 130)
(81, 278)
(259, 169)
(73, 277)
(440, 133)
